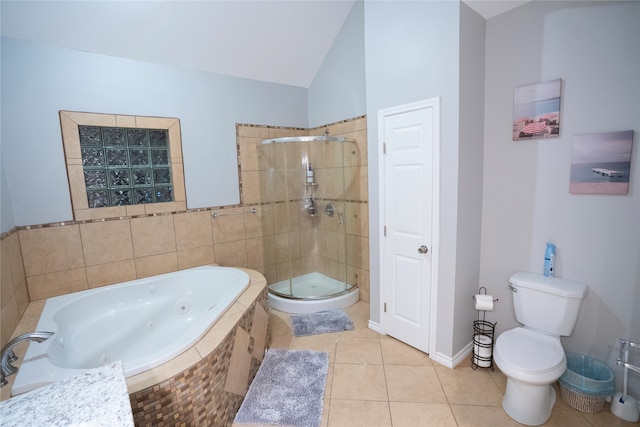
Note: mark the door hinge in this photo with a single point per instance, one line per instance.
(385, 307)
(384, 148)
(385, 230)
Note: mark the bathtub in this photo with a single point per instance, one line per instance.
(144, 323)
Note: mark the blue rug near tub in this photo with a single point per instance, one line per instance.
(321, 322)
(288, 389)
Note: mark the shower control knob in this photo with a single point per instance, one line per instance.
(423, 249)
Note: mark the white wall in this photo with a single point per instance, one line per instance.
(39, 80)
(595, 49)
(412, 53)
(338, 89)
(470, 164)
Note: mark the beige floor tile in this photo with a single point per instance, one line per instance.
(358, 350)
(482, 416)
(281, 341)
(407, 414)
(413, 384)
(465, 386)
(358, 413)
(605, 418)
(359, 382)
(567, 418)
(395, 352)
(323, 342)
(376, 380)
(279, 323)
(329, 383)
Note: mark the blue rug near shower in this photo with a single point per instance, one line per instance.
(321, 322)
(287, 390)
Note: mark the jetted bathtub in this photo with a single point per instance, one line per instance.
(144, 323)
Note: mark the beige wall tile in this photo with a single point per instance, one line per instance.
(355, 153)
(261, 132)
(153, 235)
(59, 283)
(251, 186)
(276, 188)
(91, 119)
(51, 249)
(358, 251)
(256, 253)
(228, 226)
(249, 159)
(156, 264)
(10, 318)
(126, 121)
(238, 375)
(111, 273)
(356, 183)
(361, 277)
(7, 284)
(193, 229)
(260, 223)
(135, 210)
(106, 241)
(357, 219)
(195, 257)
(231, 254)
(98, 213)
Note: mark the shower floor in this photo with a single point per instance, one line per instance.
(313, 292)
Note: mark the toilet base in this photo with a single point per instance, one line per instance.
(528, 404)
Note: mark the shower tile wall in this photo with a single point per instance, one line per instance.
(298, 243)
(42, 261)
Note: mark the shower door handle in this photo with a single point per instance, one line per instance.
(423, 249)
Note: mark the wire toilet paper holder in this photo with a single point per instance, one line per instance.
(483, 338)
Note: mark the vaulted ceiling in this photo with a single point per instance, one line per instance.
(275, 41)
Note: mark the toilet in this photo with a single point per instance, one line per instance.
(531, 356)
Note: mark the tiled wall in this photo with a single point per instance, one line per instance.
(14, 296)
(67, 257)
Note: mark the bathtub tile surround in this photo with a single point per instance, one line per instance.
(192, 388)
(211, 391)
(143, 241)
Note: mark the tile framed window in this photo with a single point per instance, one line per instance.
(120, 165)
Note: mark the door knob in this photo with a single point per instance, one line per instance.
(423, 249)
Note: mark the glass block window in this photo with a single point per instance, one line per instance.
(125, 166)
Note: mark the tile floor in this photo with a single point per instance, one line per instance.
(375, 380)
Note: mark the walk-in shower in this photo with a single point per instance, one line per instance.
(305, 185)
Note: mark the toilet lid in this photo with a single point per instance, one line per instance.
(528, 351)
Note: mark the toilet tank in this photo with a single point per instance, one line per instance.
(548, 304)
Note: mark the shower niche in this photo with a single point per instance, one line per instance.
(304, 183)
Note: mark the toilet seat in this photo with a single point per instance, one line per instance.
(530, 356)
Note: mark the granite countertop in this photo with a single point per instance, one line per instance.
(98, 397)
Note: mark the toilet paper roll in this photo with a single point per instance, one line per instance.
(482, 349)
(483, 302)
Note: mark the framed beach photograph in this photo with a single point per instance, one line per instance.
(536, 111)
(601, 163)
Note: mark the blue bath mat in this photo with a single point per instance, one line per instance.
(321, 322)
(287, 390)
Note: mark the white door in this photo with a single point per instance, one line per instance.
(410, 158)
